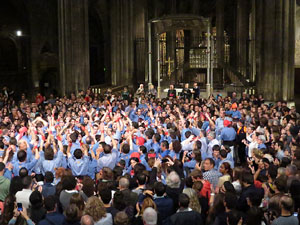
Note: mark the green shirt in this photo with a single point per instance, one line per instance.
(4, 187)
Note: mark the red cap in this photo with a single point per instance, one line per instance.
(140, 141)
(234, 106)
(23, 130)
(135, 155)
(151, 155)
(0, 131)
(226, 123)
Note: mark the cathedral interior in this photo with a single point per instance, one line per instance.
(64, 46)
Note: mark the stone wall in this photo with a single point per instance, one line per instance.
(297, 36)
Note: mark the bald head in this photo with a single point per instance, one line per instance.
(287, 203)
(86, 220)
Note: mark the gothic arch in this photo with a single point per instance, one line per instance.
(14, 52)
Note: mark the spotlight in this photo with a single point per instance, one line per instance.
(19, 33)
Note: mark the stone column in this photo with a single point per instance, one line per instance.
(275, 49)
(220, 32)
(73, 45)
(252, 46)
(242, 35)
(122, 43)
(269, 50)
(141, 41)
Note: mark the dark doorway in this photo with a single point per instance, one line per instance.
(97, 60)
(48, 82)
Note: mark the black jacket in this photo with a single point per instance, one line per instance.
(172, 93)
(186, 218)
(246, 192)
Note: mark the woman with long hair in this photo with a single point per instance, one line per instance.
(216, 208)
(95, 208)
(8, 211)
(148, 202)
(226, 172)
(237, 179)
(194, 201)
(78, 201)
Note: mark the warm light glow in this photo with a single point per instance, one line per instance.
(19, 33)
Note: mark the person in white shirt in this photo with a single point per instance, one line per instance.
(23, 196)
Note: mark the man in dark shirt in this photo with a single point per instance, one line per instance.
(171, 92)
(196, 91)
(185, 215)
(186, 92)
(248, 190)
(48, 187)
(52, 216)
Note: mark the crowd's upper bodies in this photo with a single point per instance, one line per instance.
(87, 133)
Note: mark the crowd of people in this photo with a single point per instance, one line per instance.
(133, 158)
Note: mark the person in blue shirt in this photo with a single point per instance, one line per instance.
(188, 159)
(164, 149)
(219, 124)
(92, 168)
(234, 113)
(22, 161)
(75, 143)
(78, 162)
(48, 188)
(156, 143)
(186, 128)
(148, 144)
(216, 156)
(135, 115)
(224, 158)
(109, 158)
(228, 133)
(48, 160)
(176, 149)
(125, 153)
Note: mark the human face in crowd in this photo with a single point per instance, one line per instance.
(222, 169)
(6, 120)
(133, 163)
(23, 145)
(207, 166)
(216, 154)
(139, 112)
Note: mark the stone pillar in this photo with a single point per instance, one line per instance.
(269, 50)
(122, 43)
(140, 36)
(242, 35)
(220, 32)
(275, 49)
(259, 18)
(73, 45)
(252, 46)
